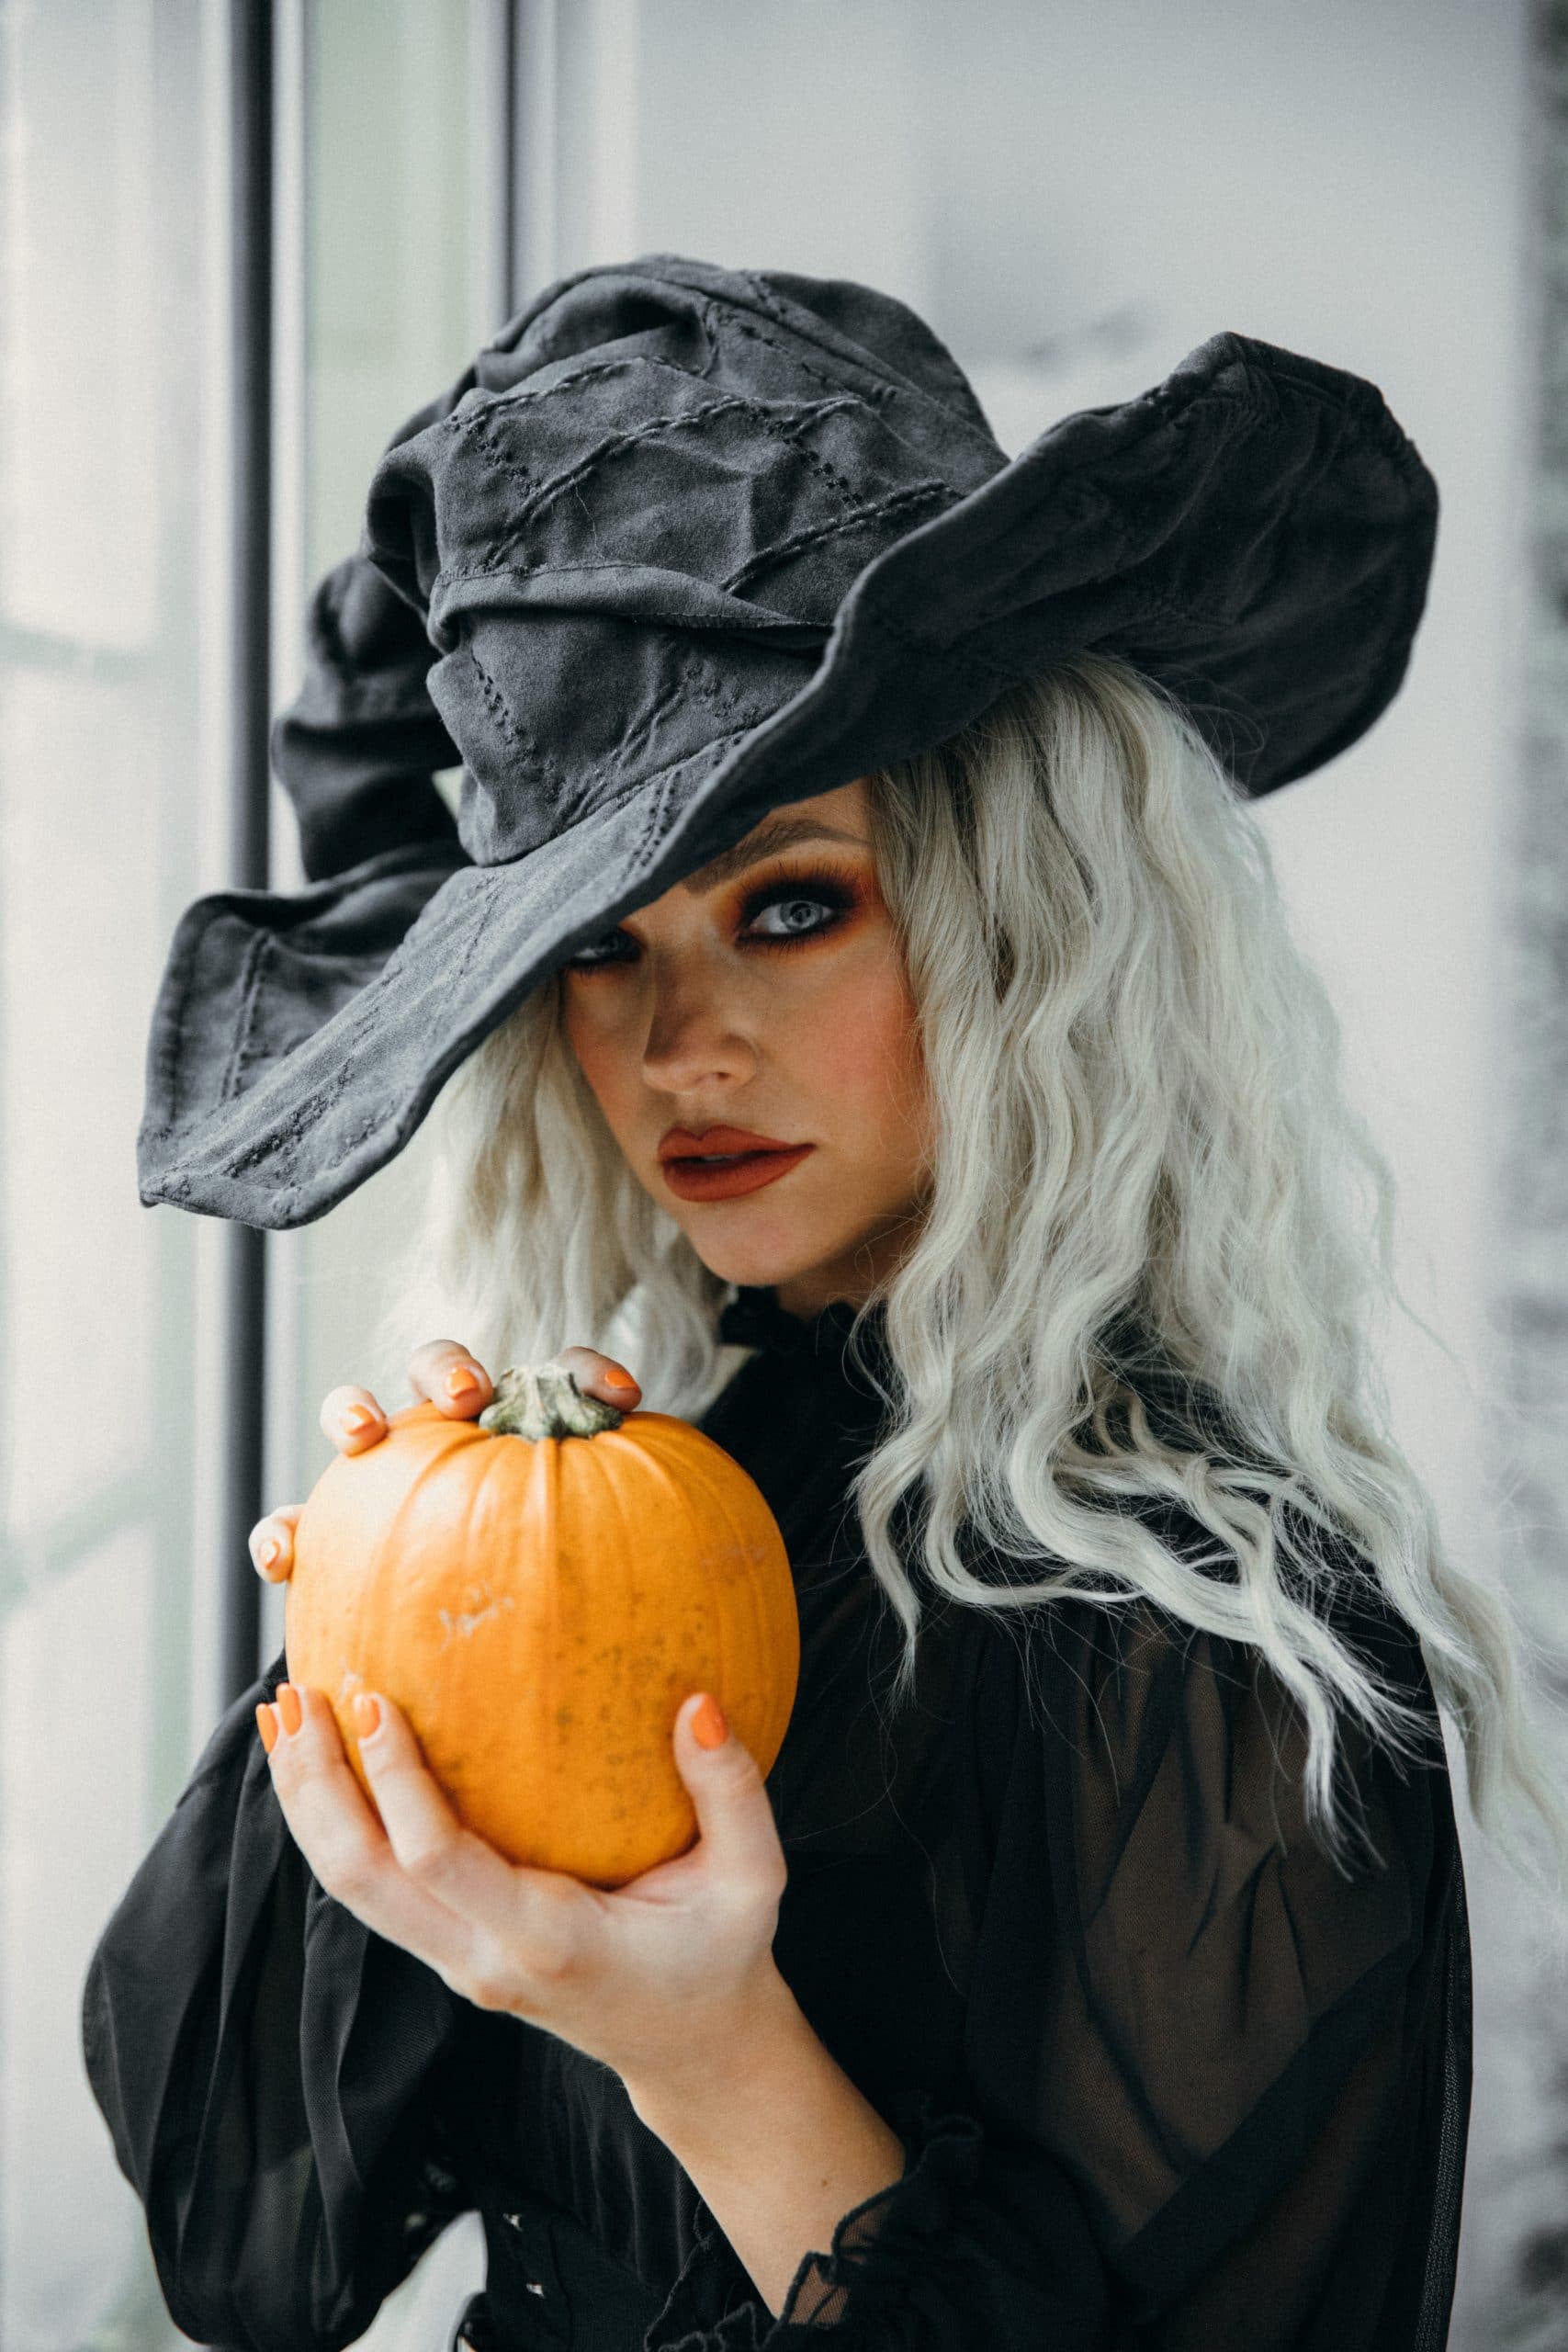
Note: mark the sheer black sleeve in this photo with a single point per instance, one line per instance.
(266, 2066)
(1208, 2087)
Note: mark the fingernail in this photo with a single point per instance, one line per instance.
(619, 1380)
(462, 1380)
(288, 1707)
(266, 1724)
(268, 1554)
(367, 1715)
(357, 1418)
(708, 1726)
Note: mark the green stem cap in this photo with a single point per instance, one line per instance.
(544, 1401)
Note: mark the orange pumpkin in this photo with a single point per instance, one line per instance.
(539, 1591)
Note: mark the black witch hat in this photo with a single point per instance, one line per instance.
(684, 544)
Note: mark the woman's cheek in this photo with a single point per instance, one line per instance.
(876, 1065)
(604, 1057)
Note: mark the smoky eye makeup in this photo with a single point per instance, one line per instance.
(831, 895)
(819, 886)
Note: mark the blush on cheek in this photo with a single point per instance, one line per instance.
(608, 1071)
(872, 1080)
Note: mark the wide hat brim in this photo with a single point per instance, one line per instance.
(1255, 532)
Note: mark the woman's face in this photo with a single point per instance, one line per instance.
(767, 992)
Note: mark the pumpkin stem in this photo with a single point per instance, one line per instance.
(538, 1400)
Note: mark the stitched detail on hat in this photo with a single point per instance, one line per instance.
(879, 397)
(293, 1125)
(496, 704)
(559, 781)
(651, 834)
(635, 738)
(250, 968)
(616, 445)
(919, 493)
(720, 624)
(699, 676)
(651, 837)
(567, 788)
(359, 1010)
(692, 678)
(367, 1126)
(606, 802)
(789, 433)
(529, 394)
(487, 915)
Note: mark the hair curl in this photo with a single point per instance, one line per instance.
(1146, 1270)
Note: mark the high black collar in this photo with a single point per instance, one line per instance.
(754, 1319)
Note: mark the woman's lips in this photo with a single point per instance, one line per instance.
(699, 1180)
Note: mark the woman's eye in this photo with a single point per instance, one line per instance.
(587, 959)
(804, 908)
(796, 909)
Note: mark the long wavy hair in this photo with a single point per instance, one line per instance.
(1157, 1243)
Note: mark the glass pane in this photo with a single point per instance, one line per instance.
(397, 225)
(396, 246)
(75, 2241)
(107, 711)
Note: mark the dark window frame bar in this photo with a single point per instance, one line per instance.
(242, 1339)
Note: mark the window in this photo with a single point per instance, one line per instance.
(110, 746)
(114, 748)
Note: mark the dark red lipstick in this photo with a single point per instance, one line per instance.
(715, 1163)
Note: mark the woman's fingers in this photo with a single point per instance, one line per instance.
(271, 1542)
(352, 1418)
(405, 1865)
(342, 1837)
(444, 1374)
(602, 1376)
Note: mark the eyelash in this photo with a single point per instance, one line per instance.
(825, 887)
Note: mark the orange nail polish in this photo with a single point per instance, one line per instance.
(621, 1380)
(462, 1381)
(357, 1418)
(288, 1707)
(708, 1726)
(266, 1724)
(366, 1715)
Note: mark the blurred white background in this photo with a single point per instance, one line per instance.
(1074, 193)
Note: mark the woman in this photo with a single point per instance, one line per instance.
(1091, 1968)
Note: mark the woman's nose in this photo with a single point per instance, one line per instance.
(692, 1034)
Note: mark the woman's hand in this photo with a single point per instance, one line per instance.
(658, 1980)
(654, 1979)
(444, 1374)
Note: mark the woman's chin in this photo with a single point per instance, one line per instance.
(754, 1270)
(756, 1260)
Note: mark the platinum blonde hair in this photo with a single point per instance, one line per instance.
(1141, 1130)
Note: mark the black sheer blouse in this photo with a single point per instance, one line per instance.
(1165, 2077)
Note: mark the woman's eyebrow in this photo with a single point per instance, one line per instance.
(774, 833)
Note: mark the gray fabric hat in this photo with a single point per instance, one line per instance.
(685, 543)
